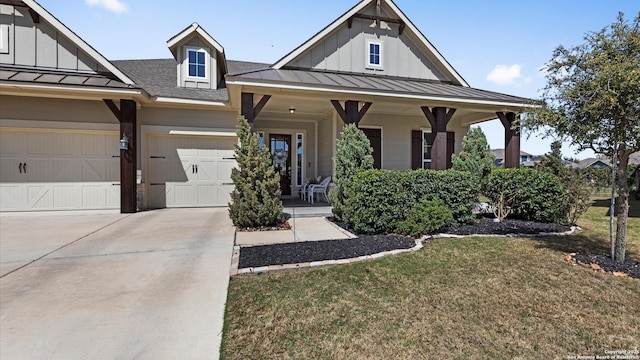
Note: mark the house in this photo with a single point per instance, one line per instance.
(525, 159)
(78, 131)
(591, 163)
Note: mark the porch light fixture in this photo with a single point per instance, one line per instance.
(292, 110)
(124, 142)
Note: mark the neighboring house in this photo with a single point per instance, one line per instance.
(591, 163)
(525, 159)
(78, 131)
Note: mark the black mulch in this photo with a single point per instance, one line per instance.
(486, 226)
(294, 253)
(629, 267)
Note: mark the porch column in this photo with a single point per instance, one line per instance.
(127, 116)
(438, 118)
(351, 114)
(247, 109)
(511, 139)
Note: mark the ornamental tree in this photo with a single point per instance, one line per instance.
(592, 99)
(254, 201)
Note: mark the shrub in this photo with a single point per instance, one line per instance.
(354, 154)
(377, 201)
(254, 201)
(537, 195)
(425, 217)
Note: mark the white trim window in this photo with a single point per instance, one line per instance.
(196, 63)
(299, 159)
(427, 144)
(374, 54)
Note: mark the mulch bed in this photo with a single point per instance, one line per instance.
(605, 264)
(486, 226)
(302, 252)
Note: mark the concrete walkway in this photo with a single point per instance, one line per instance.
(302, 229)
(150, 285)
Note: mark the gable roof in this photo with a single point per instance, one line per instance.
(318, 37)
(190, 30)
(84, 46)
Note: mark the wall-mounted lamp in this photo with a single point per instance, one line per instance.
(292, 110)
(124, 142)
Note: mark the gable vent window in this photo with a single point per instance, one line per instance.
(374, 58)
(197, 63)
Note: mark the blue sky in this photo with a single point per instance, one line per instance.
(495, 45)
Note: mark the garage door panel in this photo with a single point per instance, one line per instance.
(12, 142)
(59, 165)
(203, 170)
(40, 197)
(39, 170)
(12, 197)
(39, 143)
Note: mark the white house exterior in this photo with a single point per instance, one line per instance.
(64, 109)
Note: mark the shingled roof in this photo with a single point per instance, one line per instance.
(158, 77)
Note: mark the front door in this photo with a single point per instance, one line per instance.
(375, 138)
(280, 146)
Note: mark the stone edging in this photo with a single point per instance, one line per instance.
(314, 264)
(235, 259)
(573, 230)
(570, 258)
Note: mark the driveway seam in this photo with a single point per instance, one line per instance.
(63, 246)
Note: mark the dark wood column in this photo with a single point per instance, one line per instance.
(127, 116)
(511, 139)
(439, 118)
(247, 109)
(351, 114)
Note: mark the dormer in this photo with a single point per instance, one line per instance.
(200, 58)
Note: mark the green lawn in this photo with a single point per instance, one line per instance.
(475, 297)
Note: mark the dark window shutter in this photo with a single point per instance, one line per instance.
(451, 141)
(416, 149)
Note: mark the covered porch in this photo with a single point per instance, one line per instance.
(411, 123)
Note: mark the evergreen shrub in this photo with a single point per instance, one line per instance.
(255, 200)
(537, 195)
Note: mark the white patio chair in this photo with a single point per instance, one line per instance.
(305, 187)
(320, 189)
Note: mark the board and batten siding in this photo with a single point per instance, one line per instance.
(346, 50)
(31, 44)
(213, 74)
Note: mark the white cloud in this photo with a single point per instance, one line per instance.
(507, 75)
(112, 5)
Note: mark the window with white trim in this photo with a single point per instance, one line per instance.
(197, 63)
(299, 158)
(374, 54)
(427, 144)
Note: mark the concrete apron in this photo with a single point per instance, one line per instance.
(148, 286)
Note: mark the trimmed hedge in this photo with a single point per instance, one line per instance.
(376, 201)
(537, 196)
(426, 217)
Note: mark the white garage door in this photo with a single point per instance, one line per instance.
(58, 170)
(190, 171)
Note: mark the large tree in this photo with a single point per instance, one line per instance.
(592, 99)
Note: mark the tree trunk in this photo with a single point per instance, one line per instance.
(623, 205)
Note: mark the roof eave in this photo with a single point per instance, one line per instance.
(233, 80)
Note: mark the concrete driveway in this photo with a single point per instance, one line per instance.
(150, 285)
